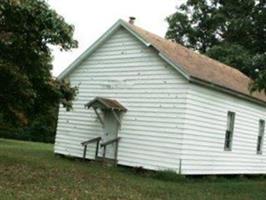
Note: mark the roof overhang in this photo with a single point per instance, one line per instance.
(105, 104)
(225, 90)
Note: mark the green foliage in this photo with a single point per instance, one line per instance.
(28, 92)
(260, 83)
(39, 133)
(233, 32)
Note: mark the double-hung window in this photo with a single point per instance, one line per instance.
(229, 131)
(260, 136)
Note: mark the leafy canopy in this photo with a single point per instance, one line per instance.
(233, 32)
(28, 28)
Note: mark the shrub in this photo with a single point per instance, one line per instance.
(40, 134)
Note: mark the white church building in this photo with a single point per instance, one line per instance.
(145, 101)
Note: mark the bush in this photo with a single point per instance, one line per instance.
(36, 134)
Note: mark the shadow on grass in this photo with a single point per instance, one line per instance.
(171, 176)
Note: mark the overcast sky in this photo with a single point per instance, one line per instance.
(93, 18)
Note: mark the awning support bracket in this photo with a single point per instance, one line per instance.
(99, 116)
(116, 117)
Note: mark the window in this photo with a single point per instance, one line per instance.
(260, 136)
(229, 131)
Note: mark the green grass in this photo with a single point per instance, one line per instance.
(32, 171)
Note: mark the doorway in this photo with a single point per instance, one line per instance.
(110, 131)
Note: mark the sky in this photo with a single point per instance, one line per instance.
(92, 18)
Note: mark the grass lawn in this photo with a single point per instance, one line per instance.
(32, 171)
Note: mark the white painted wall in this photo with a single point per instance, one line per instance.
(152, 91)
(205, 126)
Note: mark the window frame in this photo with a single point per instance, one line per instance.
(260, 137)
(228, 141)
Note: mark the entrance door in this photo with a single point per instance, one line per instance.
(110, 132)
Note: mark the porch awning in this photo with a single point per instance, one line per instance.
(104, 103)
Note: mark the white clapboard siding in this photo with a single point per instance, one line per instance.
(153, 92)
(204, 134)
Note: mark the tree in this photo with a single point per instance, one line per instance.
(28, 91)
(233, 32)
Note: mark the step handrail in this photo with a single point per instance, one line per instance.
(110, 141)
(85, 144)
(90, 141)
